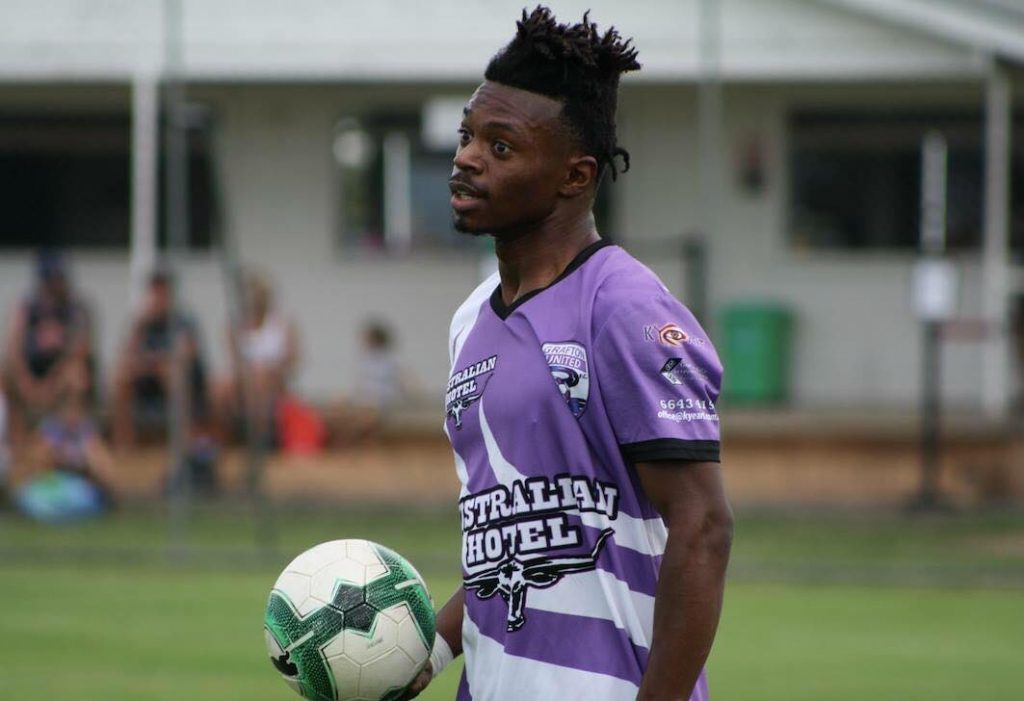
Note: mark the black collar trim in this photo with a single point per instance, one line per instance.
(498, 305)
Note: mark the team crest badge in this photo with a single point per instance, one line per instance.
(568, 363)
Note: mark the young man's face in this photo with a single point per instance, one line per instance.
(511, 161)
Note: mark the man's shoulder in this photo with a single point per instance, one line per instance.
(465, 316)
(624, 280)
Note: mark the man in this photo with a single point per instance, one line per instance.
(142, 382)
(48, 331)
(581, 408)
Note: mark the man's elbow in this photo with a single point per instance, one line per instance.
(719, 527)
(710, 537)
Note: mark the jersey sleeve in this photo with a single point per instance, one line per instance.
(660, 378)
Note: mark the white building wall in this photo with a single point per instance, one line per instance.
(444, 39)
(856, 343)
(857, 340)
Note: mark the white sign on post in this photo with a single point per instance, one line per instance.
(936, 287)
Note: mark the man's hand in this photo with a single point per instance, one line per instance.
(419, 683)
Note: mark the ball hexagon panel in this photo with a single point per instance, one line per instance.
(394, 670)
(381, 639)
(325, 580)
(318, 556)
(411, 640)
(346, 675)
(295, 586)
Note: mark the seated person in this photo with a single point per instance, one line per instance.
(4, 451)
(47, 331)
(381, 384)
(264, 350)
(160, 336)
(71, 469)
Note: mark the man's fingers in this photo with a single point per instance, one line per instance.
(419, 684)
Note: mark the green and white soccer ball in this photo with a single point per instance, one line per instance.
(349, 620)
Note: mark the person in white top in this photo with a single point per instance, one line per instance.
(382, 384)
(264, 351)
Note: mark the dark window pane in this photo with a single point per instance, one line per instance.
(65, 182)
(855, 179)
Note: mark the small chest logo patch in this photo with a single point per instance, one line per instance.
(568, 363)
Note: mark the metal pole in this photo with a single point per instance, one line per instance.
(145, 178)
(177, 227)
(709, 135)
(995, 258)
(933, 246)
(256, 424)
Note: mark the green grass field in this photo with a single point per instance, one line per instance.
(818, 608)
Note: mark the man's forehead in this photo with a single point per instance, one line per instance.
(499, 101)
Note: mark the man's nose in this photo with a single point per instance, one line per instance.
(467, 159)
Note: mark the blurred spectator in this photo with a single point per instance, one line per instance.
(381, 385)
(48, 331)
(160, 335)
(264, 350)
(72, 469)
(4, 451)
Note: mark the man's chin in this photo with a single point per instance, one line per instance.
(463, 226)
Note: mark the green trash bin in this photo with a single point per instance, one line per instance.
(755, 350)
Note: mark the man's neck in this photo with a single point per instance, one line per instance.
(534, 259)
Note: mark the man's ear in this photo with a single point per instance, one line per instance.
(580, 176)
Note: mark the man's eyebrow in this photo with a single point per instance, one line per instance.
(503, 126)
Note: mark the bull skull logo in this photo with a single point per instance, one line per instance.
(512, 577)
(458, 406)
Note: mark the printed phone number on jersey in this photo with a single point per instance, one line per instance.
(687, 410)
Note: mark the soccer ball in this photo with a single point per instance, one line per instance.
(349, 620)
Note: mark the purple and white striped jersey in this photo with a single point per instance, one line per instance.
(549, 401)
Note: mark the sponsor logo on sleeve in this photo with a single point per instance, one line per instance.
(677, 372)
(669, 334)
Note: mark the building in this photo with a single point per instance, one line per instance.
(775, 157)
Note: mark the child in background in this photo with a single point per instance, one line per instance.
(382, 384)
(72, 466)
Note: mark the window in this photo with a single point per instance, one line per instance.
(394, 188)
(855, 179)
(65, 182)
(393, 182)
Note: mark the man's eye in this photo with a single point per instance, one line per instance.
(501, 148)
(463, 136)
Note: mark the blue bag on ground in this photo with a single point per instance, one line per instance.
(59, 497)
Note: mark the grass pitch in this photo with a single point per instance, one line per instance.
(835, 609)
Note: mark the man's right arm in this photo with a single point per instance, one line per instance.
(449, 629)
(449, 621)
(13, 356)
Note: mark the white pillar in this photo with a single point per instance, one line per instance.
(995, 251)
(145, 152)
(397, 192)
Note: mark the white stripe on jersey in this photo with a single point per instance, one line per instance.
(599, 594)
(646, 536)
(465, 317)
(460, 464)
(494, 675)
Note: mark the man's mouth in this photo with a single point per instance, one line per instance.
(461, 189)
(464, 195)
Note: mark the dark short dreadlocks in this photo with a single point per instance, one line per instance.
(577, 66)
